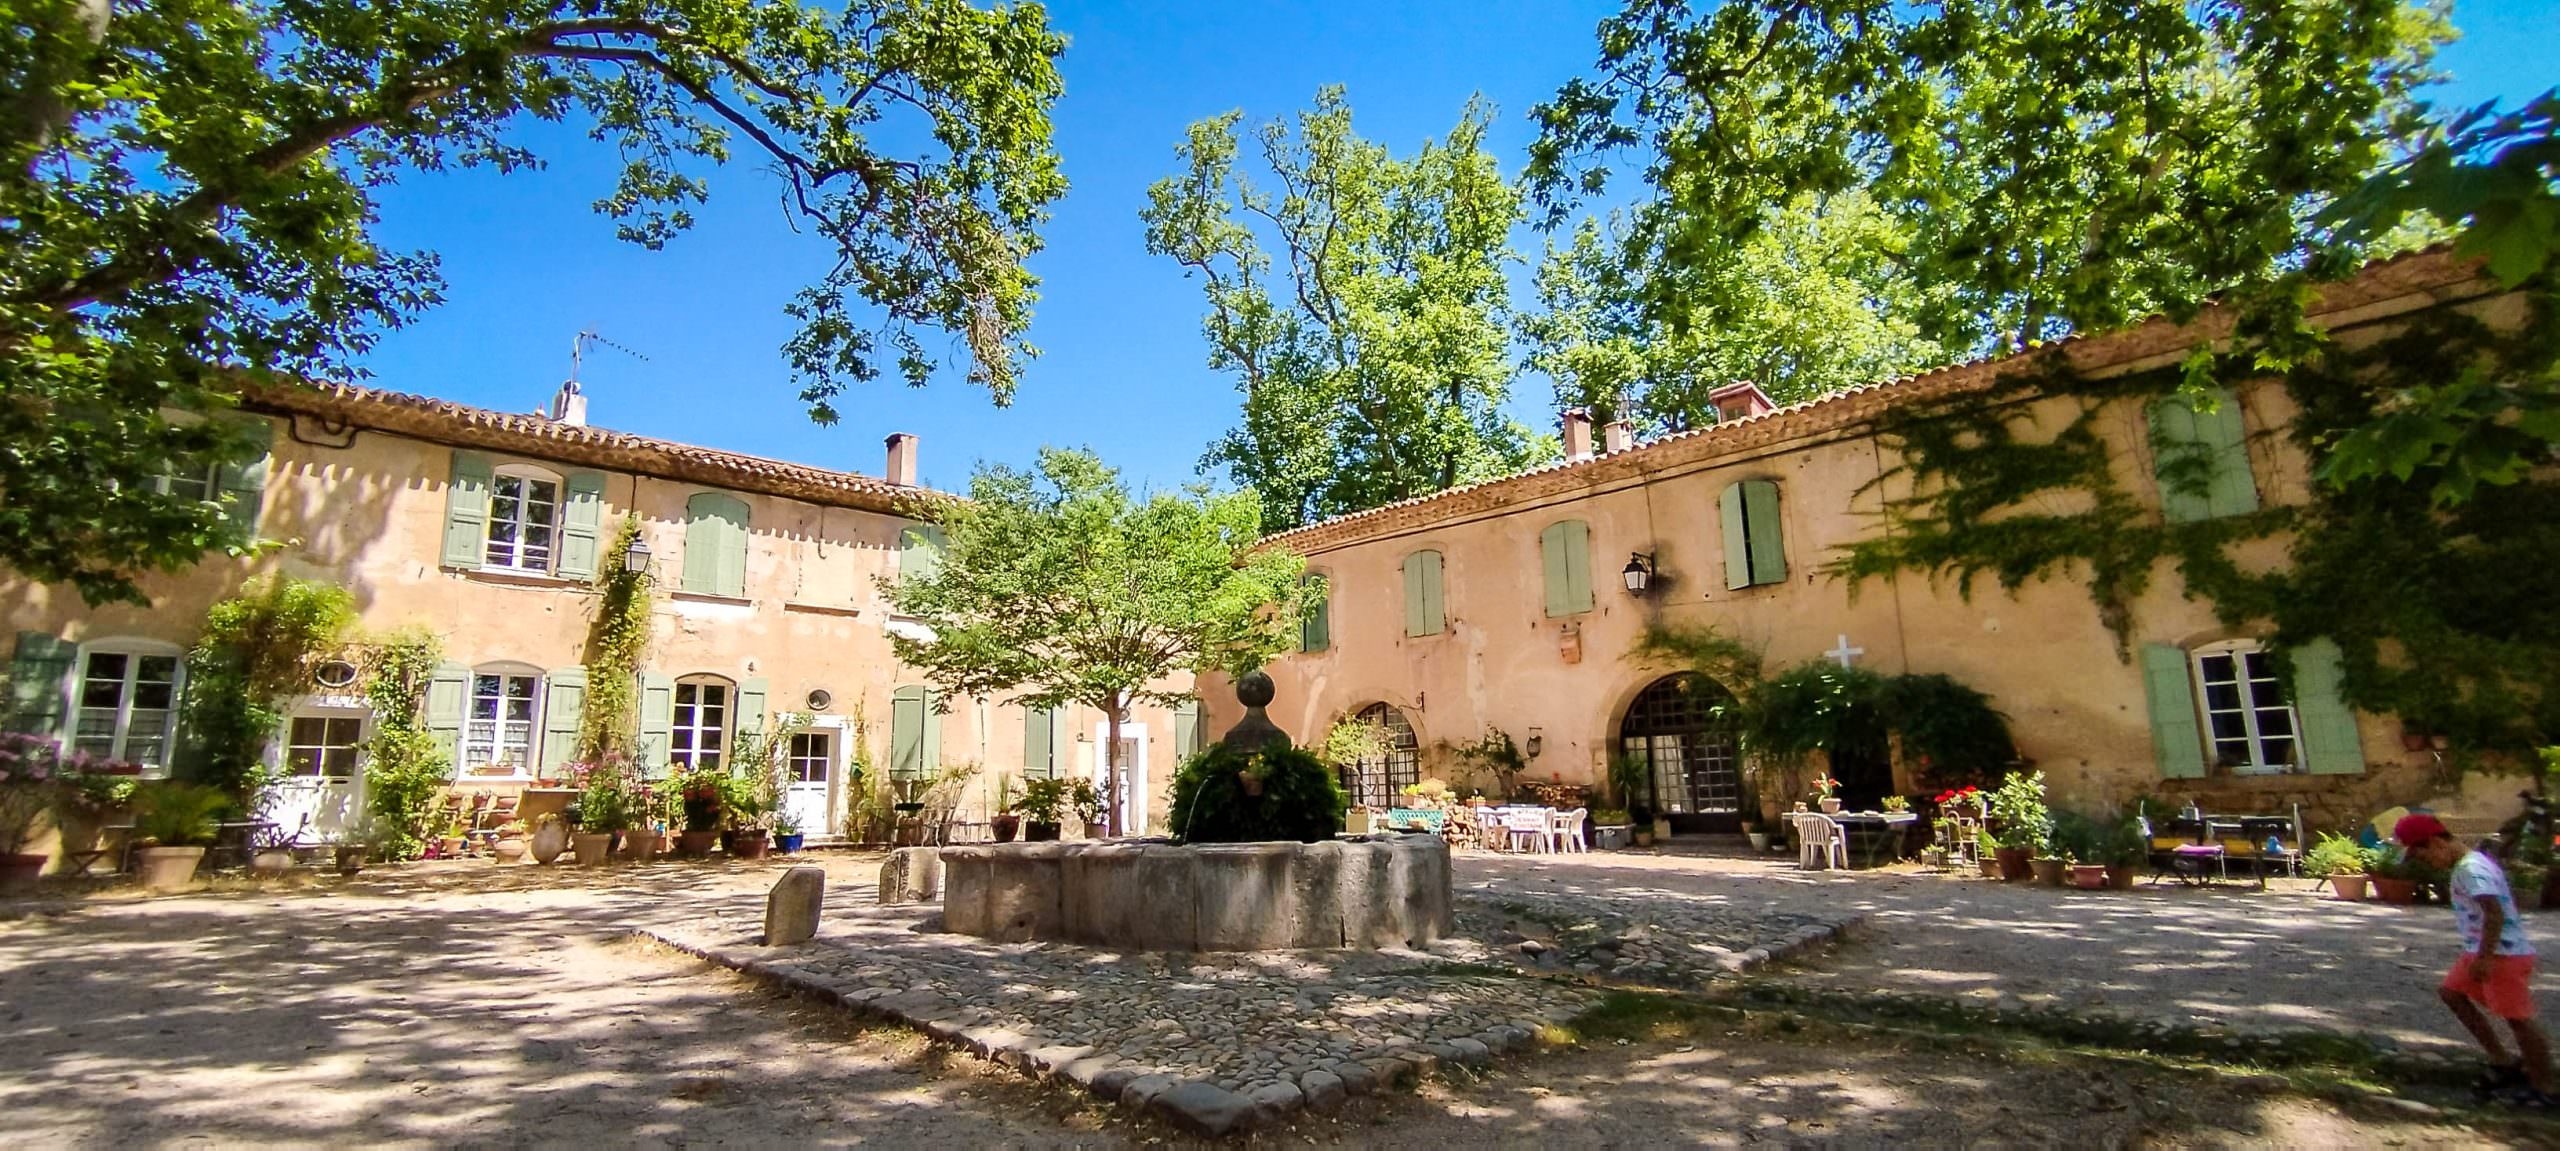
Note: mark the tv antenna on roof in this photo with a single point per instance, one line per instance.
(578, 351)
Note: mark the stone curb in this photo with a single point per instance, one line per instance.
(1803, 939)
(1194, 1105)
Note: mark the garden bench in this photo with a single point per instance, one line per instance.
(1430, 819)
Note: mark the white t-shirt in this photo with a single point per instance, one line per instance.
(2479, 874)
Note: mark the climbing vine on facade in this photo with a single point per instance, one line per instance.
(253, 657)
(405, 768)
(616, 643)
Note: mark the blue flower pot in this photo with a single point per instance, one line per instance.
(787, 844)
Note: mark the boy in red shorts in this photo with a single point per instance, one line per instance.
(2495, 969)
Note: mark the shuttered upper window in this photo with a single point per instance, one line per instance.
(1315, 628)
(519, 517)
(1755, 542)
(915, 733)
(1564, 551)
(2201, 458)
(715, 544)
(1425, 613)
(524, 519)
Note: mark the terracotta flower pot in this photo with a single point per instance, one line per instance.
(1005, 827)
(696, 844)
(2395, 890)
(1037, 832)
(1830, 806)
(2015, 863)
(749, 844)
(2049, 871)
(591, 847)
(2120, 876)
(2089, 876)
(2346, 886)
(1990, 866)
(350, 858)
(641, 844)
(512, 851)
(167, 868)
(271, 861)
(18, 872)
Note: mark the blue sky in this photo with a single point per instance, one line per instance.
(528, 264)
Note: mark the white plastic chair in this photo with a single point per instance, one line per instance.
(1526, 823)
(1819, 838)
(1564, 830)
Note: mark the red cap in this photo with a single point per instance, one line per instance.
(2417, 828)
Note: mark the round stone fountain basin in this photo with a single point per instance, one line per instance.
(1381, 891)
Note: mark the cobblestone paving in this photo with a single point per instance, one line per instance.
(1656, 938)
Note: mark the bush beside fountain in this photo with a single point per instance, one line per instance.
(1258, 870)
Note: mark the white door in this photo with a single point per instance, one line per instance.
(318, 795)
(1132, 799)
(809, 771)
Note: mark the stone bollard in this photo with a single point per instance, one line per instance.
(791, 911)
(911, 875)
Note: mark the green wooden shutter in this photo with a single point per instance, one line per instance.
(244, 485)
(581, 524)
(39, 684)
(564, 708)
(1039, 743)
(1564, 550)
(1186, 729)
(2220, 441)
(1315, 628)
(466, 510)
(915, 733)
(1737, 538)
(448, 698)
(1423, 612)
(2331, 744)
(2177, 742)
(751, 704)
(2233, 491)
(715, 544)
(657, 718)
(920, 551)
(1767, 531)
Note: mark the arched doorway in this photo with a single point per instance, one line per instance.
(1375, 779)
(1681, 728)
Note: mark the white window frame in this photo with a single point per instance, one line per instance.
(490, 734)
(210, 475)
(516, 560)
(686, 729)
(2252, 707)
(134, 651)
(796, 765)
(326, 712)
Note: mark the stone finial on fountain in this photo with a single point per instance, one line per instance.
(1255, 732)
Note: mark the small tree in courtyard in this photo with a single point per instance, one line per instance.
(1058, 587)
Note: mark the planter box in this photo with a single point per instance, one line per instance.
(1612, 836)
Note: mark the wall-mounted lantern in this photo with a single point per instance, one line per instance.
(1638, 572)
(635, 559)
(1537, 741)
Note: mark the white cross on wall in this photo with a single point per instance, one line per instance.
(1844, 653)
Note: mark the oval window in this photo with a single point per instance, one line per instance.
(335, 673)
(819, 699)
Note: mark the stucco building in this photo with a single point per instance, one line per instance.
(486, 528)
(1504, 606)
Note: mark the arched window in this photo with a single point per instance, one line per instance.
(497, 730)
(700, 737)
(1376, 779)
(126, 702)
(524, 518)
(1681, 729)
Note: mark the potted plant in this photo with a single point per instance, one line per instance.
(2395, 876)
(1759, 836)
(172, 825)
(1087, 802)
(92, 793)
(1004, 823)
(2342, 861)
(651, 811)
(1043, 806)
(511, 846)
(608, 802)
(27, 791)
(1358, 819)
(1826, 793)
(1986, 856)
(700, 791)
(2123, 851)
(2021, 824)
(1642, 814)
(787, 836)
(271, 852)
(1612, 829)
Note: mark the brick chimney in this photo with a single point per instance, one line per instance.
(902, 459)
(569, 406)
(1577, 435)
(1741, 400)
(1617, 436)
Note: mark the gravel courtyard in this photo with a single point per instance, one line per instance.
(432, 1005)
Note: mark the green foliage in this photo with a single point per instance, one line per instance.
(2339, 855)
(617, 643)
(1051, 801)
(1813, 707)
(1811, 302)
(1631, 783)
(1951, 735)
(1375, 368)
(754, 790)
(2041, 167)
(2104, 837)
(1301, 798)
(1496, 753)
(1057, 587)
(252, 658)
(188, 188)
(613, 798)
(405, 769)
(2496, 175)
(1354, 740)
(173, 813)
(2018, 815)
